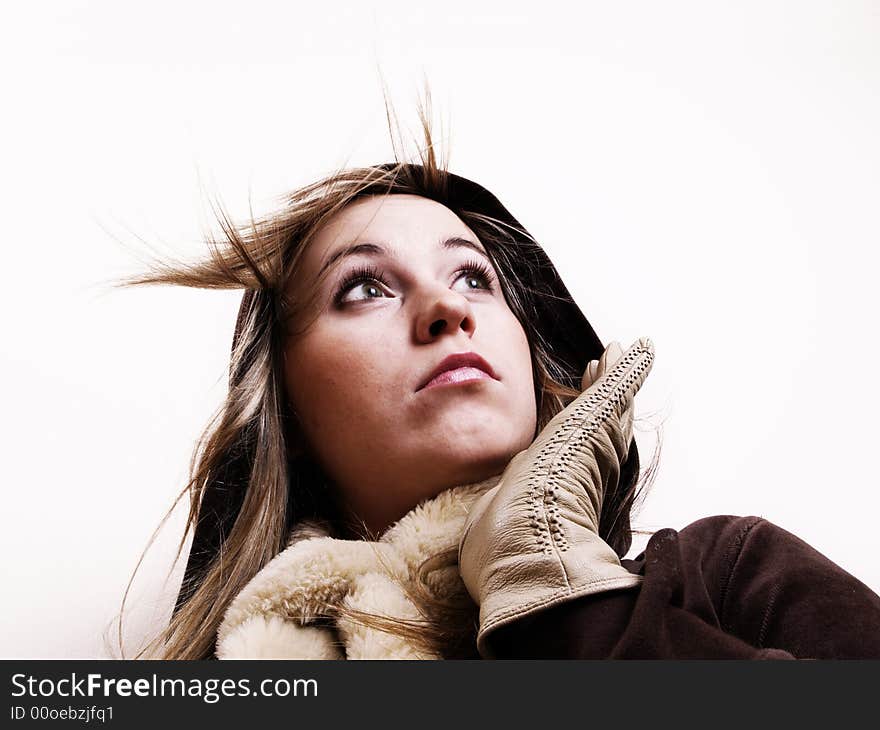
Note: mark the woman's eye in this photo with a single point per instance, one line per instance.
(369, 290)
(479, 273)
(476, 279)
(364, 280)
(370, 282)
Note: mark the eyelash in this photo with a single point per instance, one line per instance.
(371, 273)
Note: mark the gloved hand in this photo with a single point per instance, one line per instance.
(532, 541)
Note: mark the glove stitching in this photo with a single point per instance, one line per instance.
(611, 391)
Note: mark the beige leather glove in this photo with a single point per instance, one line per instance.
(532, 541)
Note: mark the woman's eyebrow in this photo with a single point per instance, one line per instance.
(458, 242)
(368, 249)
(374, 249)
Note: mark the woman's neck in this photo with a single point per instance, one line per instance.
(354, 526)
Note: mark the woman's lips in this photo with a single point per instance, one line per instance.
(459, 375)
(459, 361)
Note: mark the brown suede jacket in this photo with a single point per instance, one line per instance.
(723, 587)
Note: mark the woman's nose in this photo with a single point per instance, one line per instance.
(446, 312)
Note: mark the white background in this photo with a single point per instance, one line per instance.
(702, 173)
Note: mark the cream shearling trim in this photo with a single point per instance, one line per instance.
(271, 637)
(378, 594)
(271, 616)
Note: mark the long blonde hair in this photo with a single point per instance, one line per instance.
(250, 470)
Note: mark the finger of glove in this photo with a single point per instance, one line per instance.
(613, 391)
(596, 368)
(626, 424)
(596, 414)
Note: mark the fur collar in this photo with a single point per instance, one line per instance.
(281, 612)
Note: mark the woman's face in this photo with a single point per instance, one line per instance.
(354, 378)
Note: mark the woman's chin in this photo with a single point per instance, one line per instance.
(475, 443)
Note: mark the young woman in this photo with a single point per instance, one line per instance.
(426, 452)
